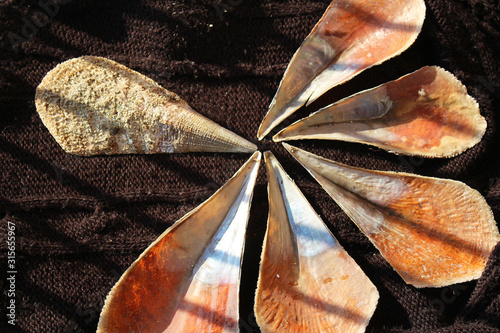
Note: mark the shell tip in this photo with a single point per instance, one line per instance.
(279, 137)
(250, 148)
(262, 132)
(291, 149)
(265, 127)
(256, 156)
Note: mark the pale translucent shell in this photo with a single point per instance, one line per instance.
(350, 37)
(426, 113)
(434, 232)
(93, 106)
(307, 281)
(188, 279)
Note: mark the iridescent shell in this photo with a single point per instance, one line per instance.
(434, 232)
(188, 279)
(426, 113)
(350, 37)
(307, 281)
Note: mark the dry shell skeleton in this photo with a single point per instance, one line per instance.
(188, 279)
(307, 281)
(434, 232)
(426, 113)
(93, 105)
(352, 36)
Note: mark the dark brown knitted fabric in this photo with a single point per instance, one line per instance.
(80, 222)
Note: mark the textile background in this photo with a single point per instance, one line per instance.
(80, 222)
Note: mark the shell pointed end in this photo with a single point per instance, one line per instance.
(270, 160)
(287, 134)
(273, 118)
(264, 129)
(268, 155)
(279, 137)
(291, 149)
(256, 156)
(248, 147)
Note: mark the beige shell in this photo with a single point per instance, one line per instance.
(93, 105)
(434, 232)
(426, 113)
(350, 37)
(188, 279)
(307, 281)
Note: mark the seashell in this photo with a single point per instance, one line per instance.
(426, 113)
(188, 279)
(434, 232)
(93, 106)
(307, 281)
(352, 36)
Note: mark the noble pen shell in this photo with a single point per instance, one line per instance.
(188, 279)
(307, 281)
(434, 232)
(93, 106)
(352, 36)
(426, 113)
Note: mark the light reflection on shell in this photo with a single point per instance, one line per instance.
(434, 232)
(307, 281)
(93, 106)
(188, 279)
(351, 36)
(426, 113)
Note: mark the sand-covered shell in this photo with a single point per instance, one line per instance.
(350, 37)
(93, 106)
(434, 232)
(426, 113)
(188, 279)
(307, 281)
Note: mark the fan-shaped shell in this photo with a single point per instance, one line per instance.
(188, 279)
(426, 113)
(434, 232)
(352, 35)
(307, 281)
(93, 105)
